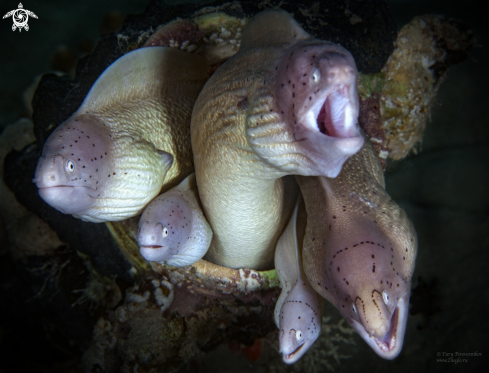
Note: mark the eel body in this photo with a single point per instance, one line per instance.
(298, 312)
(129, 138)
(285, 104)
(359, 250)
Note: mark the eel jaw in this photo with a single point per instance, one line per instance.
(291, 358)
(389, 346)
(154, 253)
(335, 113)
(330, 129)
(68, 199)
(292, 349)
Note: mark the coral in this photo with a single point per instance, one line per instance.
(396, 103)
(162, 325)
(426, 47)
(50, 271)
(99, 290)
(180, 33)
(214, 35)
(369, 118)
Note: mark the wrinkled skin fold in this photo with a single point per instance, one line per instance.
(129, 139)
(285, 104)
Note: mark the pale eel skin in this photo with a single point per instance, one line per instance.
(359, 250)
(285, 104)
(298, 312)
(129, 138)
(173, 229)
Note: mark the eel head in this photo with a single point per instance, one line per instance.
(316, 89)
(317, 106)
(300, 323)
(372, 293)
(75, 165)
(165, 227)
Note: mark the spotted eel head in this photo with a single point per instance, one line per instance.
(371, 286)
(303, 119)
(75, 163)
(300, 323)
(316, 93)
(165, 227)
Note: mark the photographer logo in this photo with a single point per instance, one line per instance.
(20, 17)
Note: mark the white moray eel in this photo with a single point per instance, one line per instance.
(359, 250)
(285, 104)
(129, 138)
(298, 312)
(173, 229)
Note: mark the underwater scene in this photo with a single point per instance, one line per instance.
(244, 186)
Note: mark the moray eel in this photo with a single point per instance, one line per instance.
(359, 250)
(129, 138)
(173, 229)
(298, 312)
(285, 104)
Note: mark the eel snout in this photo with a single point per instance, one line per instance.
(58, 188)
(153, 243)
(386, 338)
(370, 289)
(50, 172)
(293, 345)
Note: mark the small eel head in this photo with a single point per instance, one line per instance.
(300, 323)
(165, 227)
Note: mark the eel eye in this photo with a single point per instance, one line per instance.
(298, 334)
(165, 232)
(316, 76)
(385, 297)
(354, 308)
(70, 166)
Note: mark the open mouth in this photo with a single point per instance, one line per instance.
(331, 117)
(389, 346)
(293, 353)
(388, 342)
(333, 114)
